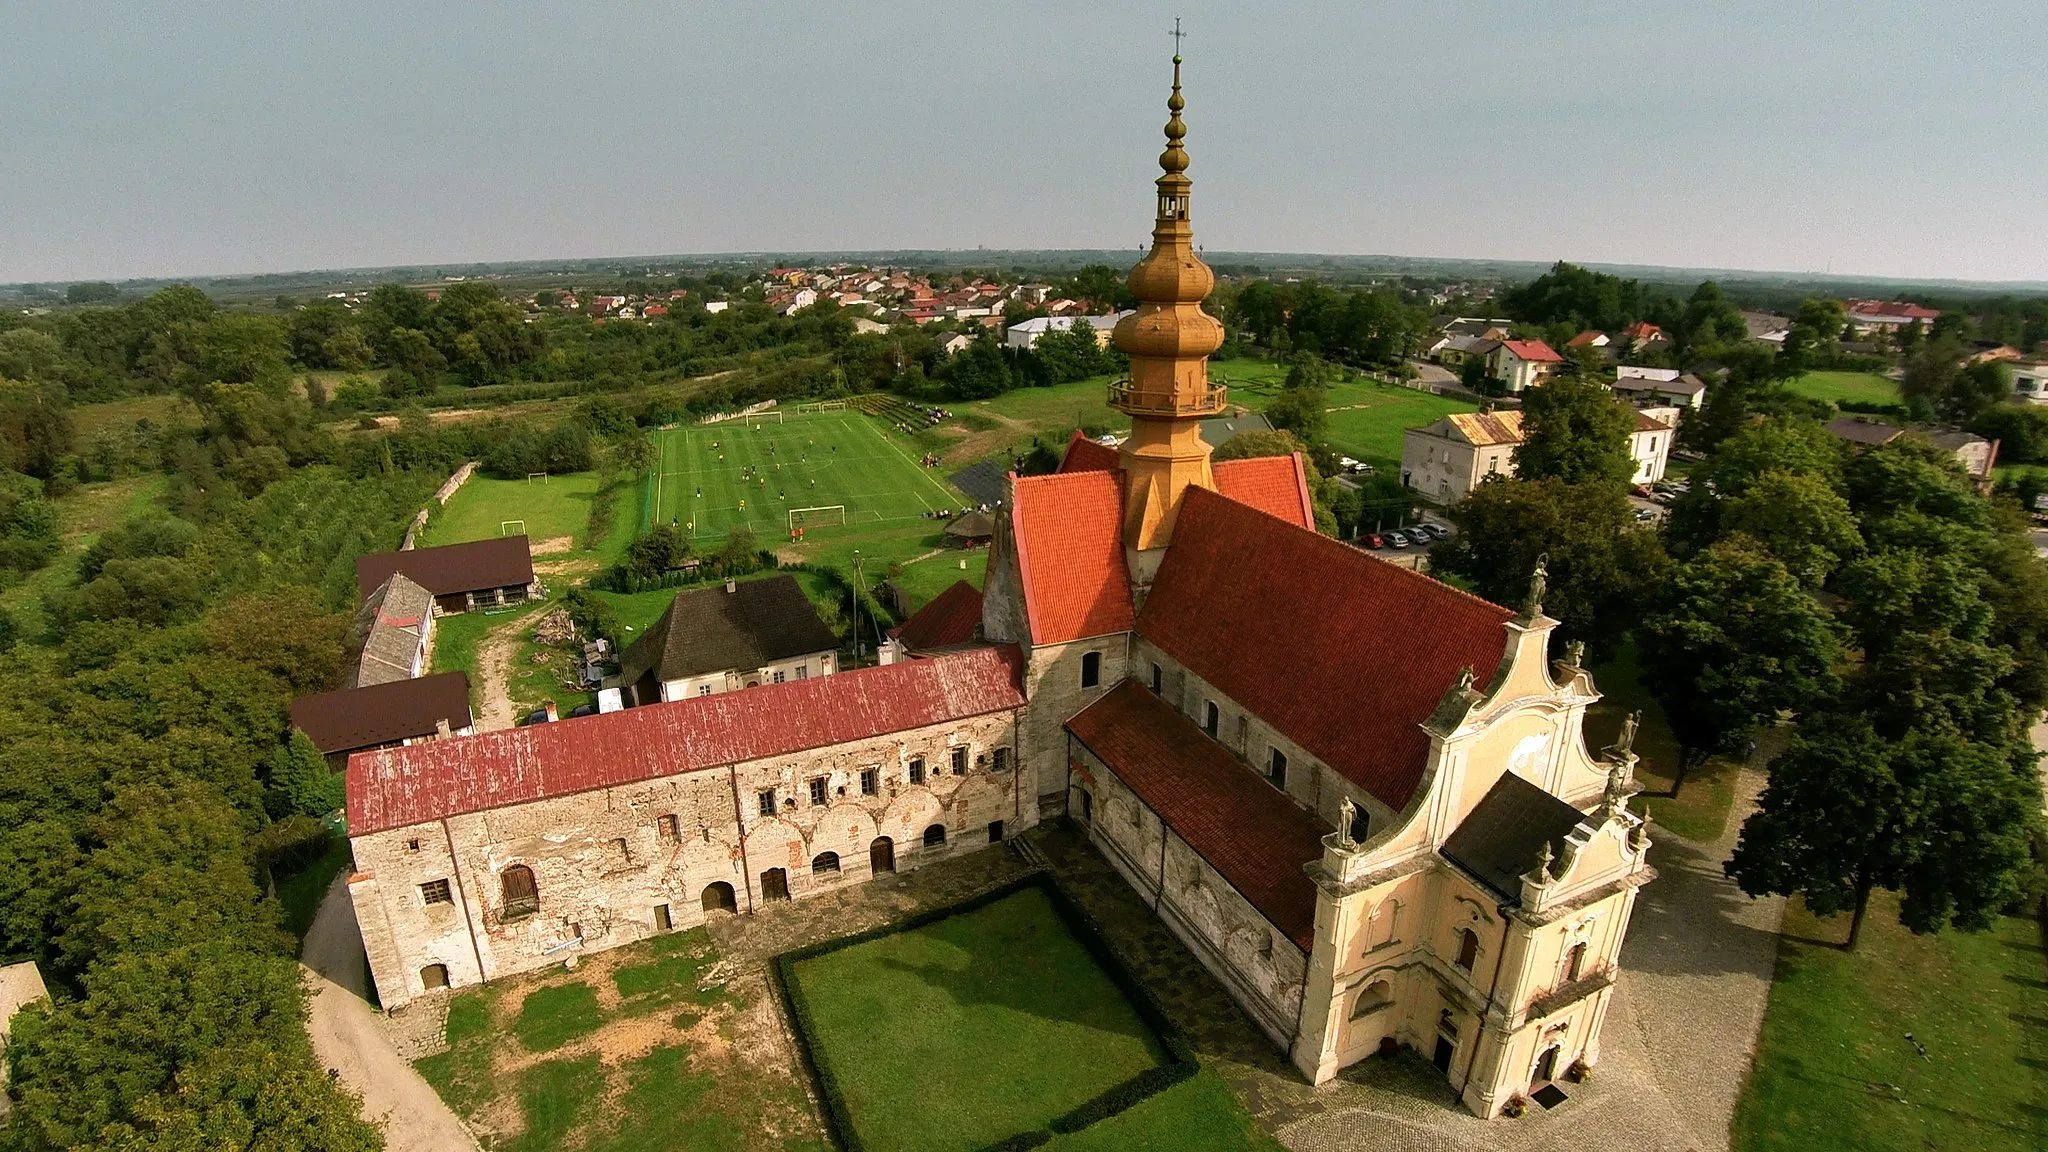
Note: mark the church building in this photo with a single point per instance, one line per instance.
(1370, 843)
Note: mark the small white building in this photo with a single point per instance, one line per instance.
(725, 639)
(1650, 444)
(1658, 387)
(1522, 364)
(1025, 333)
(1449, 458)
(2030, 380)
(952, 343)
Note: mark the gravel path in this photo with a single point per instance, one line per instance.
(494, 664)
(349, 1037)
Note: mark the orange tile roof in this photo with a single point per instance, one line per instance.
(1069, 533)
(949, 619)
(1244, 827)
(1085, 455)
(1345, 654)
(1275, 485)
(1535, 350)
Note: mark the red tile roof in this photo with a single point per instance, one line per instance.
(1244, 827)
(1069, 533)
(1642, 330)
(1275, 485)
(1535, 350)
(1085, 455)
(1583, 340)
(950, 619)
(396, 787)
(1345, 654)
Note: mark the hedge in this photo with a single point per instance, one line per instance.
(1180, 1065)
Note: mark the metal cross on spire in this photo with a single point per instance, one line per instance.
(1177, 37)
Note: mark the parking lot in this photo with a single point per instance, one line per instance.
(1383, 545)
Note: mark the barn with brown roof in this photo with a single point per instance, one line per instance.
(481, 573)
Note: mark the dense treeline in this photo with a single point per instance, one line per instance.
(1872, 594)
(1362, 328)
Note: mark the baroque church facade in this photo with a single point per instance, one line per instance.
(1370, 843)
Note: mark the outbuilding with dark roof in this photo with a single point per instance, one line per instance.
(739, 635)
(460, 576)
(384, 715)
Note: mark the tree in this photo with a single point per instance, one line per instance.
(1798, 518)
(91, 292)
(1246, 445)
(1846, 811)
(1733, 641)
(1304, 396)
(301, 783)
(1931, 372)
(1601, 562)
(1710, 318)
(1574, 430)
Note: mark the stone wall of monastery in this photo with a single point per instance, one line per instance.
(611, 865)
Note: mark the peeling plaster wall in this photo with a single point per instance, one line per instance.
(604, 861)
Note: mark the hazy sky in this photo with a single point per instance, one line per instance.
(209, 136)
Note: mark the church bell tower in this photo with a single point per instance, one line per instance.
(1169, 339)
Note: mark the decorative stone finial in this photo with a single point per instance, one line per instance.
(1539, 583)
(1543, 860)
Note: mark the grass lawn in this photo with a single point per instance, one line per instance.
(924, 579)
(555, 510)
(1701, 810)
(1834, 1069)
(1857, 387)
(970, 1029)
(635, 1051)
(162, 411)
(716, 477)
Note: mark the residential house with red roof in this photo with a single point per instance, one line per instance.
(1522, 364)
(1368, 843)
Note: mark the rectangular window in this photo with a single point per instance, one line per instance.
(669, 828)
(435, 892)
(1276, 771)
(661, 920)
(803, 671)
(917, 771)
(1158, 678)
(1091, 669)
(767, 799)
(1211, 717)
(412, 845)
(778, 676)
(703, 689)
(1002, 763)
(960, 761)
(868, 781)
(818, 790)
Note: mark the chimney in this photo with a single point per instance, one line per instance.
(731, 585)
(442, 730)
(552, 714)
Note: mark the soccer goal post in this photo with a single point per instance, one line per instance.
(823, 406)
(540, 476)
(505, 528)
(824, 516)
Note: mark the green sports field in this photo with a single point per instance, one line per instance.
(711, 478)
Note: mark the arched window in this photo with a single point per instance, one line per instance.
(1575, 962)
(935, 836)
(1377, 995)
(517, 892)
(1468, 948)
(824, 862)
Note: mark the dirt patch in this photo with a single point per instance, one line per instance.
(494, 665)
(553, 544)
(979, 444)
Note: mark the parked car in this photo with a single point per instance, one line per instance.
(1397, 539)
(1645, 514)
(1374, 540)
(537, 716)
(1436, 531)
(583, 710)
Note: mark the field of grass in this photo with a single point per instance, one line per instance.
(1835, 1069)
(713, 478)
(162, 411)
(1857, 387)
(970, 1029)
(636, 1051)
(82, 515)
(924, 579)
(552, 509)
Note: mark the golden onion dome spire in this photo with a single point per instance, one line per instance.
(1174, 160)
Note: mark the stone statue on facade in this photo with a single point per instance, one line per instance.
(1347, 816)
(1539, 583)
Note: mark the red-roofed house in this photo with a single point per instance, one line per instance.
(1522, 364)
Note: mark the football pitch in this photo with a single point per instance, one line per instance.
(829, 467)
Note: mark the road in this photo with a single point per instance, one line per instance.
(349, 1038)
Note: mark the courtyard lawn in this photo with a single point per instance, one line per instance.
(970, 1029)
(1855, 387)
(636, 1051)
(926, 578)
(713, 478)
(1834, 1069)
